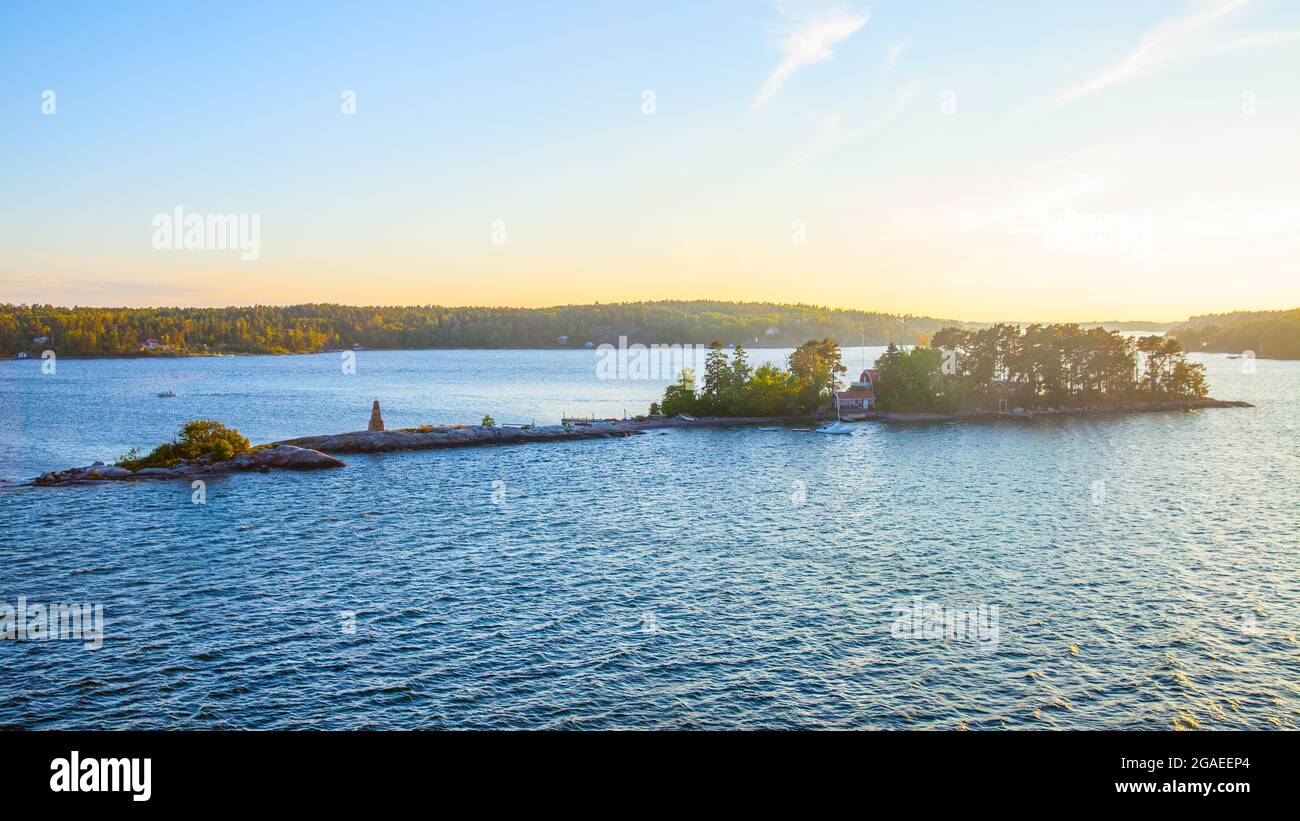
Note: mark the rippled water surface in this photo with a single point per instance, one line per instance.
(711, 578)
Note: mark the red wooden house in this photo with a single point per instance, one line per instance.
(861, 395)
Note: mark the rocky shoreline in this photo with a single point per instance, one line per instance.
(382, 441)
(1099, 409)
(313, 452)
(280, 457)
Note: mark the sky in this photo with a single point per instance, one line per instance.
(970, 160)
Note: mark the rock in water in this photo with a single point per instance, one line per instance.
(376, 421)
(283, 456)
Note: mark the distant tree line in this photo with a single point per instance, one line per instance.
(733, 388)
(308, 328)
(1035, 366)
(1270, 334)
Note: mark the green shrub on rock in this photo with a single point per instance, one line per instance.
(201, 437)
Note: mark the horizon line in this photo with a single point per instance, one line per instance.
(827, 307)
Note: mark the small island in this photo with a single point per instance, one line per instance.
(1003, 370)
(1000, 372)
(204, 448)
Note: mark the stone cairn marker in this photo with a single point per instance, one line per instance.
(376, 421)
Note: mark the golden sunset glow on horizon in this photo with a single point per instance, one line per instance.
(853, 158)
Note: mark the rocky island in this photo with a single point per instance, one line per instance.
(280, 457)
(203, 448)
(206, 448)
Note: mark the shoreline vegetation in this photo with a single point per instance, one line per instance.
(82, 332)
(1003, 368)
(1266, 334)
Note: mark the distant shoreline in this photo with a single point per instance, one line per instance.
(69, 357)
(121, 332)
(754, 347)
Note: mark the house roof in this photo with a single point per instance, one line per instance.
(856, 393)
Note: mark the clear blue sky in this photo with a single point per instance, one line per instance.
(934, 157)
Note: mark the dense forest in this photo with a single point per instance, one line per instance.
(1034, 366)
(306, 328)
(1269, 334)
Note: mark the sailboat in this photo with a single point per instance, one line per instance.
(838, 426)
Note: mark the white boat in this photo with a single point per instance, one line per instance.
(837, 426)
(770, 427)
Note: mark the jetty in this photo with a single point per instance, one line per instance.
(460, 436)
(315, 452)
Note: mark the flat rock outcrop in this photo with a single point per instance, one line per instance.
(278, 457)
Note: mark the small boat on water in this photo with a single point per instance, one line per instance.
(686, 417)
(838, 426)
(167, 394)
(801, 430)
(770, 427)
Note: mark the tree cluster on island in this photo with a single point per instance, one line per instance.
(199, 438)
(1006, 366)
(732, 387)
(996, 368)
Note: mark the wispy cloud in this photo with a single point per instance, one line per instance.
(809, 43)
(1157, 47)
(895, 51)
(1266, 39)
